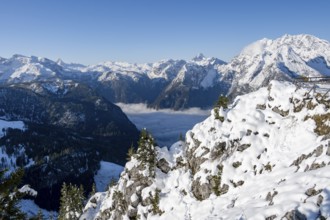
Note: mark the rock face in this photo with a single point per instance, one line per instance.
(230, 169)
(67, 134)
(163, 165)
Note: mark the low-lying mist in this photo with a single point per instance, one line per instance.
(165, 125)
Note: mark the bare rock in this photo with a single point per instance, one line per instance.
(201, 191)
(294, 215)
(163, 165)
(312, 192)
(218, 150)
(319, 200)
(270, 196)
(316, 166)
(132, 212)
(298, 161)
(272, 217)
(224, 189)
(261, 107)
(318, 151)
(243, 147)
(328, 150)
(280, 111)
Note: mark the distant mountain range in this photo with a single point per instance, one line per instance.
(179, 84)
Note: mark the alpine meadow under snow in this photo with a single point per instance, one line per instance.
(265, 157)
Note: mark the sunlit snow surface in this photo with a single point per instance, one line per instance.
(275, 141)
(9, 161)
(107, 172)
(31, 209)
(10, 124)
(165, 125)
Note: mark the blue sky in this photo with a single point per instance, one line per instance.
(91, 31)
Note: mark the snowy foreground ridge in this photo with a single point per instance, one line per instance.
(266, 157)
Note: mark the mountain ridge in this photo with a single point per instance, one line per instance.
(175, 83)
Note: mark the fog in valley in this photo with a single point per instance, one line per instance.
(165, 125)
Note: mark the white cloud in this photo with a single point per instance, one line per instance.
(143, 109)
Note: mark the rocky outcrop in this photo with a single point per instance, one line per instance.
(163, 165)
(252, 164)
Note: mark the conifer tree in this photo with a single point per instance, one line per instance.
(146, 152)
(222, 102)
(9, 195)
(92, 193)
(64, 202)
(112, 183)
(79, 199)
(72, 202)
(181, 137)
(39, 216)
(130, 153)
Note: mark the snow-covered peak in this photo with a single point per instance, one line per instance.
(60, 62)
(21, 68)
(70, 66)
(306, 46)
(201, 60)
(283, 58)
(199, 57)
(166, 69)
(115, 66)
(256, 48)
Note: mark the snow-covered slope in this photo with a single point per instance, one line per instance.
(70, 66)
(31, 209)
(9, 161)
(282, 58)
(10, 124)
(21, 68)
(108, 172)
(265, 157)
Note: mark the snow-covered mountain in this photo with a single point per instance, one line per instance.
(285, 58)
(164, 84)
(21, 69)
(180, 84)
(156, 84)
(265, 157)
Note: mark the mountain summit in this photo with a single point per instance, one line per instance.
(199, 57)
(285, 58)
